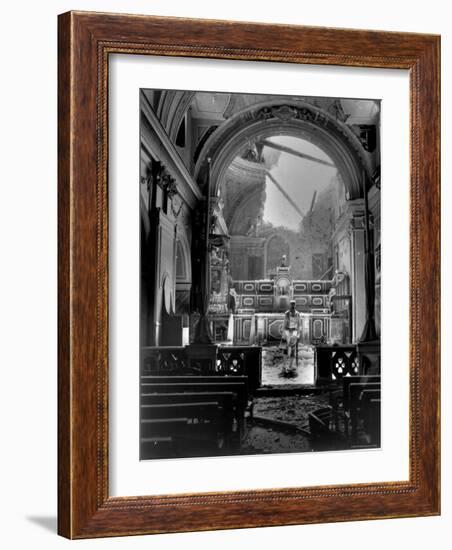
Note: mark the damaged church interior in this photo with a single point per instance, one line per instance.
(260, 274)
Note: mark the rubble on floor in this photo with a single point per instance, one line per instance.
(293, 409)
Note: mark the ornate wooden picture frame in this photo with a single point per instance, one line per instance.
(86, 40)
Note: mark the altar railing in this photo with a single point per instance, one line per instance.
(225, 361)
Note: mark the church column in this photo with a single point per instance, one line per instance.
(349, 239)
(374, 206)
(369, 333)
(358, 280)
(201, 264)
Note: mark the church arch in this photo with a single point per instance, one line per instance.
(183, 260)
(295, 118)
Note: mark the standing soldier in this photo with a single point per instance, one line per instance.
(292, 327)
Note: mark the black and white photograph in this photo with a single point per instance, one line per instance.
(260, 274)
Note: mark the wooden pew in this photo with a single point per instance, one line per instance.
(202, 419)
(346, 381)
(370, 412)
(194, 411)
(238, 388)
(217, 379)
(320, 421)
(169, 426)
(165, 437)
(157, 447)
(370, 393)
(356, 405)
(206, 401)
(227, 399)
(346, 402)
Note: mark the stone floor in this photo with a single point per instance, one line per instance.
(274, 360)
(263, 440)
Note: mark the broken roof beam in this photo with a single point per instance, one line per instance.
(284, 193)
(294, 152)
